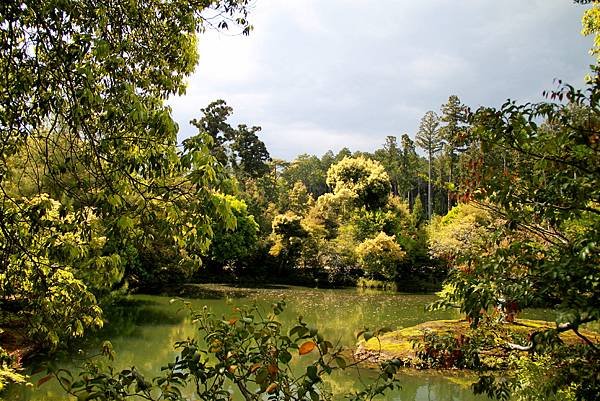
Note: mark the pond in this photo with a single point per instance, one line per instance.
(144, 328)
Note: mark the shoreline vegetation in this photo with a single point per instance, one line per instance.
(499, 209)
(411, 345)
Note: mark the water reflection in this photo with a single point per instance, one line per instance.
(144, 328)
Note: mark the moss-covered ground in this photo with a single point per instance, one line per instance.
(403, 343)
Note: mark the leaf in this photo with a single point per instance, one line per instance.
(312, 373)
(272, 387)
(44, 379)
(341, 362)
(272, 369)
(307, 347)
(285, 357)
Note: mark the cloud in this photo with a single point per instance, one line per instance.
(327, 74)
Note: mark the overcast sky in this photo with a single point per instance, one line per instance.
(325, 74)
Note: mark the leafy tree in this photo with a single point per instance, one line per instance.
(543, 180)
(418, 213)
(380, 256)
(249, 154)
(310, 171)
(214, 122)
(428, 139)
(391, 158)
(362, 177)
(460, 233)
(454, 133)
(233, 245)
(83, 104)
(288, 234)
(299, 200)
(239, 148)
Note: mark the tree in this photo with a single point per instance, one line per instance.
(239, 148)
(83, 103)
(391, 158)
(410, 162)
(299, 200)
(310, 171)
(380, 256)
(214, 122)
(454, 134)
(288, 235)
(235, 244)
(249, 154)
(539, 171)
(362, 177)
(428, 139)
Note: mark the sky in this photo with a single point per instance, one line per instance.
(321, 75)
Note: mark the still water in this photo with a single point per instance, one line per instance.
(144, 328)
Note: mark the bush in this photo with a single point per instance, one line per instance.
(380, 256)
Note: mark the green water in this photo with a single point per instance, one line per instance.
(144, 328)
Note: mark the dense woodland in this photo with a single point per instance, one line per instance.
(98, 198)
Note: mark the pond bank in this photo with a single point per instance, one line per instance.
(413, 345)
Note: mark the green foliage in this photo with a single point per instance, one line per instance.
(248, 351)
(309, 170)
(533, 384)
(459, 234)
(536, 170)
(364, 178)
(85, 128)
(299, 200)
(288, 236)
(428, 138)
(237, 243)
(48, 281)
(380, 256)
(8, 374)
(239, 148)
(418, 213)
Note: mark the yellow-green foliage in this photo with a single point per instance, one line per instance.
(288, 236)
(365, 178)
(8, 374)
(535, 380)
(459, 232)
(380, 256)
(299, 200)
(365, 283)
(399, 343)
(591, 26)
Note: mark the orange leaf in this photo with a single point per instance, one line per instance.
(44, 380)
(272, 387)
(232, 321)
(232, 368)
(272, 369)
(307, 347)
(254, 367)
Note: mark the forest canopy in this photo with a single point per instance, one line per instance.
(98, 198)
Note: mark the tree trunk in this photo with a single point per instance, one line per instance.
(450, 183)
(429, 190)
